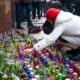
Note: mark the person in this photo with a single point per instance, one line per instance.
(76, 7)
(18, 14)
(66, 29)
(48, 3)
(43, 8)
(36, 6)
(28, 5)
(67, 4)
(45, 28)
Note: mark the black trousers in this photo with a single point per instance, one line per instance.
(62, 40)
(72, 51)
(36, 6)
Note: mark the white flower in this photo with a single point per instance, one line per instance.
(5, 76)
(14, 77)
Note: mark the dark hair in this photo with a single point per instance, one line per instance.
(47, 27)
(57, 5)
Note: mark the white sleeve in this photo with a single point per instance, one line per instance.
(52, 37)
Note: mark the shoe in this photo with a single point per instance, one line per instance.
(71, 52)
(33, 17)
(30, 25)
(39, 17)
(24, 20)
(34, 29)
(19, 27)
(75, 57)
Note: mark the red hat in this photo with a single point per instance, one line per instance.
(52, 13)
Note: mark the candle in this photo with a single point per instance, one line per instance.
(30, 58)
(55, 45)
(23, 75)
(35, 63)
(60, 77)
(47, 64)
(65, 55)
(21, 56)
(39, 55)
(67, 67)
(75, 76)
(78, 71)
(53, 57)
(70, 72)
(66, 61)
(75, 68)
(44, 61)
(71, 64)
(60, 60)
(25, 36)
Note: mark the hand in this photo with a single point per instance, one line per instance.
(64, 49)
(30, 50)
(27, 51)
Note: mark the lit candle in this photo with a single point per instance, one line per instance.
(60, 60)
(66, 61)
(70, 72)
(75, 68)
(21, 56)
(44, 60)
(60, 77)
(78, 71)
(35, 63)
(71, 64)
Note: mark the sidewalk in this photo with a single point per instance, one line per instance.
(35, 22)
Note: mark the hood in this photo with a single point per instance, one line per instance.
(63, 17)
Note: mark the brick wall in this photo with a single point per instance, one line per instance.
(5, 15)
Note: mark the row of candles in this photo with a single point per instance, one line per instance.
(70, 67)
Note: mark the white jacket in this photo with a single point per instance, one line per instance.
(66, 25)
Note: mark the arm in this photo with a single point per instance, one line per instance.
(50, 38)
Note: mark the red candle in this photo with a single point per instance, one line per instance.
(22, 34)
(75, 76)
(41, 58)
(28, 47)
(35, 63)
(78, 71)
(44, 51)
(34, 53)
(4, 46)
(23, 75)
(75, 69)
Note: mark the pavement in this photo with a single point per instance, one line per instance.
(36, 22)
